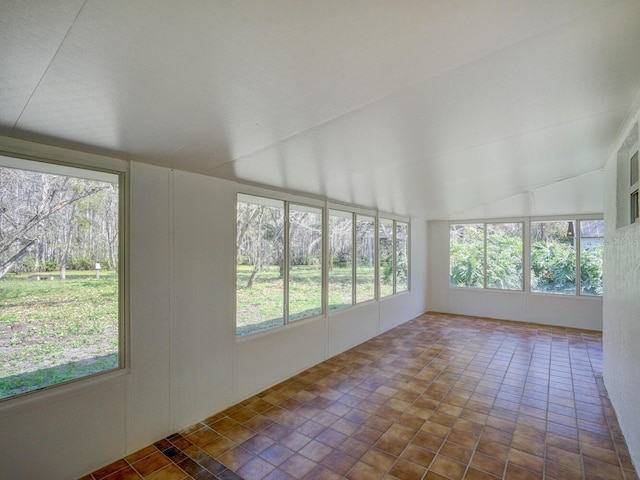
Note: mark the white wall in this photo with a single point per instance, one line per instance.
(621, 316)
(562, 310)
(185, 363)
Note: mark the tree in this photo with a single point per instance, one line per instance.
(50, 219)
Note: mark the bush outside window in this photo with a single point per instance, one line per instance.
(60, 274)
(565, 256)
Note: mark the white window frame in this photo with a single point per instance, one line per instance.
(47, 159)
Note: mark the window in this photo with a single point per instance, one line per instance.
(305, 262)
(591, 254)
(61, 270)
(259, 264)
(385, 252)
(553, 257)
(277, 281)
(466, 252)
(496, 245)
(366, 258)
(340, 259)
(504, 256)
(280, 260)
(402, 257)
(633, 188)
(627, 183)
(393, 252)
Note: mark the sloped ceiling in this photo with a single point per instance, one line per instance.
(440, 109)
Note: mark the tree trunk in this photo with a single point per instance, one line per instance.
(4, 268)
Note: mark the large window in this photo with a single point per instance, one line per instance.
(280, 258)
(305, 262)
(61, 308)
(553, 257)
(466, 249)
(486, 255)
(565, 256)
(260, 264)
(504, 256)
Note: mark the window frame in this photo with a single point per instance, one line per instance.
(23, 155)
(526, 251)
(393, 220)
(354, 212)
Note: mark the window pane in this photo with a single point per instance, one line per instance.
(260, 264)
(385, 250)
(365, 250)
(305, 262)
(553, 257)
(466, 252)
(59, 276)
(402, 257)
(340, 259)
(504, 256)
(591, 253)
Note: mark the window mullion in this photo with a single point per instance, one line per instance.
(285, 261)
(576, 245)
(484, 263)
(354, 259)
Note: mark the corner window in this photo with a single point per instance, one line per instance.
(60, 274)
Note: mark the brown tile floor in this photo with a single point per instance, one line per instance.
(440, 397)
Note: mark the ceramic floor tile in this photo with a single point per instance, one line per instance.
(440, 397)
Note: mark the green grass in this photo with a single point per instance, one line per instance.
(53, 331)
(261, 306)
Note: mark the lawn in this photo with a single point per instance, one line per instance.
(52, 331)
(261, 306)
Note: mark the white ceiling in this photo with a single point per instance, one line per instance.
(434, 108)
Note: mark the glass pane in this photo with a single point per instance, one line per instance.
(340, 259)
(305, 262)
(385, 251)
(402, 257)
(260, 265)
(553, 257)
(59, 280)
(365, 250)
(466, 255)
(504, 256)
(591, 254)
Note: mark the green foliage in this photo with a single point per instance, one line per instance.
(591, 270)
(553, 267)
(467, 259)
(55, 331)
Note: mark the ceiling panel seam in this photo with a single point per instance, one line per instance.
(44, 73)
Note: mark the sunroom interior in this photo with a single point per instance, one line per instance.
(422, 116)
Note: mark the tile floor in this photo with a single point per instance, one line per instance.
(440, 397)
